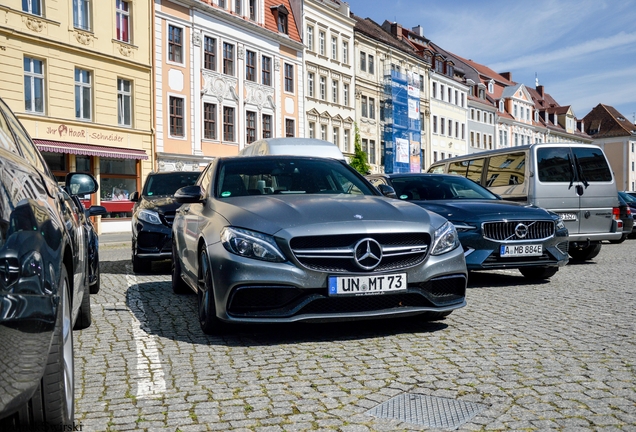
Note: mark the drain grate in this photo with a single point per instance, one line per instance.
(427, 410)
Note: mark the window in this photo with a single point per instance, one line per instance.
(209, 121)
(282, 20)
(478, 116)
(434, 156)
(421, 121)
(490, 142)
(250, 65)
(363, 61)
(237, 7)
(228, 59)
(463, 130)
(347, 139)
(450, 127)
(363, 106)
(334, 91)
(175, 44)
(456, 129)
(312, 130)
(310, 38)
(221, 4)
(321, 41)
(32, 6)
(323, 132)
(371, 108)
(456, 97)
(462, 99)
(365, 147)
(372, 151)
(267, 126)
(83, 96)
(491, 87)
(124, 102)
(450, 95)
(81, 14)
(371, 64)
(345, 52)
(472, 139)
(266, 71)
(289, 78)
(209, 53)
(345, 94)
(228, 124)
(334, 48)
(176, 117)
(421, 83)
(516, 139)
(290, 128)
(310, 84)
(250, 128)
(442, 126)
(252, 10)
(441, 92)
(323, 88)
(33, 85)
(123, 21)
(434, 124)
(336, 136)
(435, 90)
(515, 110)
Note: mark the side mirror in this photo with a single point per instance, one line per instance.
(97, 210)
(387, 191)
(189, 195)
(80, 184)
(134, 197)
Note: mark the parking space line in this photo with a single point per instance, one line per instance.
(150, 376)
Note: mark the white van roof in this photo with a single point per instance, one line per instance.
(293, 146)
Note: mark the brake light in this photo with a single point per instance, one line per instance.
(617, 213)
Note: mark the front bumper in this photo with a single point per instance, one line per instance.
(152, 241)
(286, 292)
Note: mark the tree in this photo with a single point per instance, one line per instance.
(359, 160)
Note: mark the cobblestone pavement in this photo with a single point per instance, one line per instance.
(558, 355)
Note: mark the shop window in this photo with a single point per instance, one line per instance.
(58, 164)
(118, 181)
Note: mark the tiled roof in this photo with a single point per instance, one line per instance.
(270, 19)
(373, 30)
(542, 102)
(605, 121)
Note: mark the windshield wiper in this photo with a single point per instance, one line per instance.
(580, 171)
(572, 169)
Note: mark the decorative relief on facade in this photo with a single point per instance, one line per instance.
(311, 68)
(277, 65)
(241, 53)
(220, 86)
(179, 166)
(259, 95)
(83, 37)
(346, 79)
(196, 38)
(125, 50)
(33, 24)
(324, 71)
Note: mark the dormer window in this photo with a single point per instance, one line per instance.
(501, 106)
(449, 69)
(491, 86)
(536, 116)
(281, 13)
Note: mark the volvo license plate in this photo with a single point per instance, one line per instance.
(520, 250)
(367, 285)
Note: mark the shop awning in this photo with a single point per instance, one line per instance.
(89, 149)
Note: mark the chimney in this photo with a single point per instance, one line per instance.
(507, 75)
(396, 30)
(418, 30)
(540, 91)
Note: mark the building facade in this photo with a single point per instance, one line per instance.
(227, 73)
(78, 75)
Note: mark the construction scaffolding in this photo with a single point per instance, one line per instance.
(402, 128)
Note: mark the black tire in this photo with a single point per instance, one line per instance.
(140, 265)
(53, 401)
(178, 284)
(84, 319)
(208, 320)
(620, 240)
(538, 273)
(585, 253)
(94, 288)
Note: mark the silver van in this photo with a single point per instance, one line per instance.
(573, 180)
(293, 146)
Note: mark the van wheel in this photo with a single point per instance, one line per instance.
(538, 273)
(620, 240)
(585, 253)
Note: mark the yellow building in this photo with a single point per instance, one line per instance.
(78, 74)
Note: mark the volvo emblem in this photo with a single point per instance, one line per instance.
(521, 230)
(367, 254)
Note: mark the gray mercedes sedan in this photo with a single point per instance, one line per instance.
(291, 238)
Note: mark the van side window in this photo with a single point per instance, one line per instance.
(554, 164)
(437, 169)
(469, 168)
(592, 164)
(506, 170)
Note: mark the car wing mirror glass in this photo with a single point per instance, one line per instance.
(387, 191)
(134, 197)
(80, 184)
(97, 210)
(189, 194)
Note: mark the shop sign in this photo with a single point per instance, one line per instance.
(66, 131)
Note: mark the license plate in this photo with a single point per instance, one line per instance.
(568, 216)
(520, 250)
(367, 285)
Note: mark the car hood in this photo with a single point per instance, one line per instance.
(160, 204)
(270, 214)
(468, 210)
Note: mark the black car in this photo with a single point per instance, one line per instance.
(626, 209)
(44, 291)
(152, 217)
(494, 233)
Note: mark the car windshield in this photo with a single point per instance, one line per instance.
(287, 175)
(438, 187)
(169, 183)
(627, 197)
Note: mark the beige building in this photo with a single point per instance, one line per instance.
(78, 75)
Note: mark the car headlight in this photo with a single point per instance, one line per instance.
(445, 240)
(559, 224)
(152, 217)
(251, 244)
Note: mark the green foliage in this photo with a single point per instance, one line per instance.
(359, 160)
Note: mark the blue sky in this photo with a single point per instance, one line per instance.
(583, 51)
